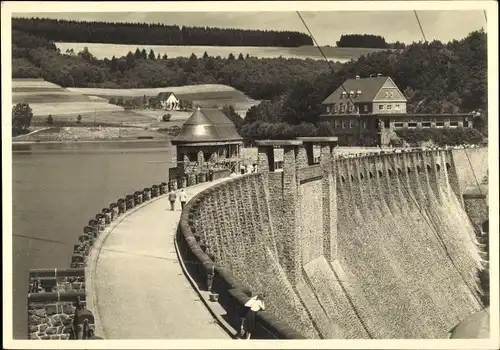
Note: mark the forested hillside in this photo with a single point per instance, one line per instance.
(35, 57)
(435, 78)
(155, 34)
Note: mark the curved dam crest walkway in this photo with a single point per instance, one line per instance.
(138, 285)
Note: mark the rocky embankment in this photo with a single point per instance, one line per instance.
(67, 134)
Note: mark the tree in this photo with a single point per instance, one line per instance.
(240, 57)
(205, 56)
(21, 118)
(79, 119)
(164, 57)
(166, 117)
(151, 55)
(144, 54)
(137, 54)
(229, 111)
(50, 120)
(130, 59)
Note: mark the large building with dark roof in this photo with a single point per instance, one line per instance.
(365, 111)
(208, 146)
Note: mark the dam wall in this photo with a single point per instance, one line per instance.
(375, 246)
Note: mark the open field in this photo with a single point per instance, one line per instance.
(49, 97)
(101, 51)
(27, 84)
(205, 95)
(72, 108)
(64, 105)
(118, 117)
(187, 89)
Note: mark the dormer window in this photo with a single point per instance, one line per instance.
(358, 92)
(351, 93)
(344, 94)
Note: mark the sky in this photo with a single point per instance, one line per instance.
(326, 26)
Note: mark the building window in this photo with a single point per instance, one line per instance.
(344, 124)
(334, 108)
(396, 107)
(337, 124)
(389, 107)
(392, 94)
(380, 107)
(387, 94)
(364, 125)
(412, 125)
(365, 108)
(342, 108)
(327, 109)
(466, 124)
(426, 124)
(398, 125)
(349, 108)
(439, 124)
(454, 124)
(351, 123)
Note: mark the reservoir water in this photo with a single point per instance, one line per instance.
(58, 188)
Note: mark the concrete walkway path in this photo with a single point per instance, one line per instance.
(138, 286)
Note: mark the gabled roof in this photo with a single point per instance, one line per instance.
(165, 94)
(369, 88)
(207, 125)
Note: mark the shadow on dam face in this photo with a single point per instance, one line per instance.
(376, 246)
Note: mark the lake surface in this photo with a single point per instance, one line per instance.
(58, 188)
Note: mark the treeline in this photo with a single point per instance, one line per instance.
(367, 41)
(155, 34)
(435, 78)
(258, 78)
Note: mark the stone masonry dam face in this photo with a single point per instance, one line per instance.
(378, 246)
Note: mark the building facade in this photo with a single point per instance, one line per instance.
(169, 101)
(364, 111)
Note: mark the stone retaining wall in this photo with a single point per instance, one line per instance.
(205, 251)
(55, 293)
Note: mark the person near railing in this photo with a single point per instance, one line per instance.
(172, 197)
(252, 306)
(183, 198)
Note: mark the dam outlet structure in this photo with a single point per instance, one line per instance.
(375, 246)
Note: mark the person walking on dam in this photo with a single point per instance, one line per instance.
(254, 305)
(183, 198)
(172, 197)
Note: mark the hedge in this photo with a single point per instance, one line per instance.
(441, 137)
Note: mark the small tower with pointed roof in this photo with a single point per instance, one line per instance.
(207, 147)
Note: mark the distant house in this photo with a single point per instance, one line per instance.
(168, 100)
(365, 110)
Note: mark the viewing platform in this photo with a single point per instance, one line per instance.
(136, 284)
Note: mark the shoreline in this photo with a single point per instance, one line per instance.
(135, 140)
